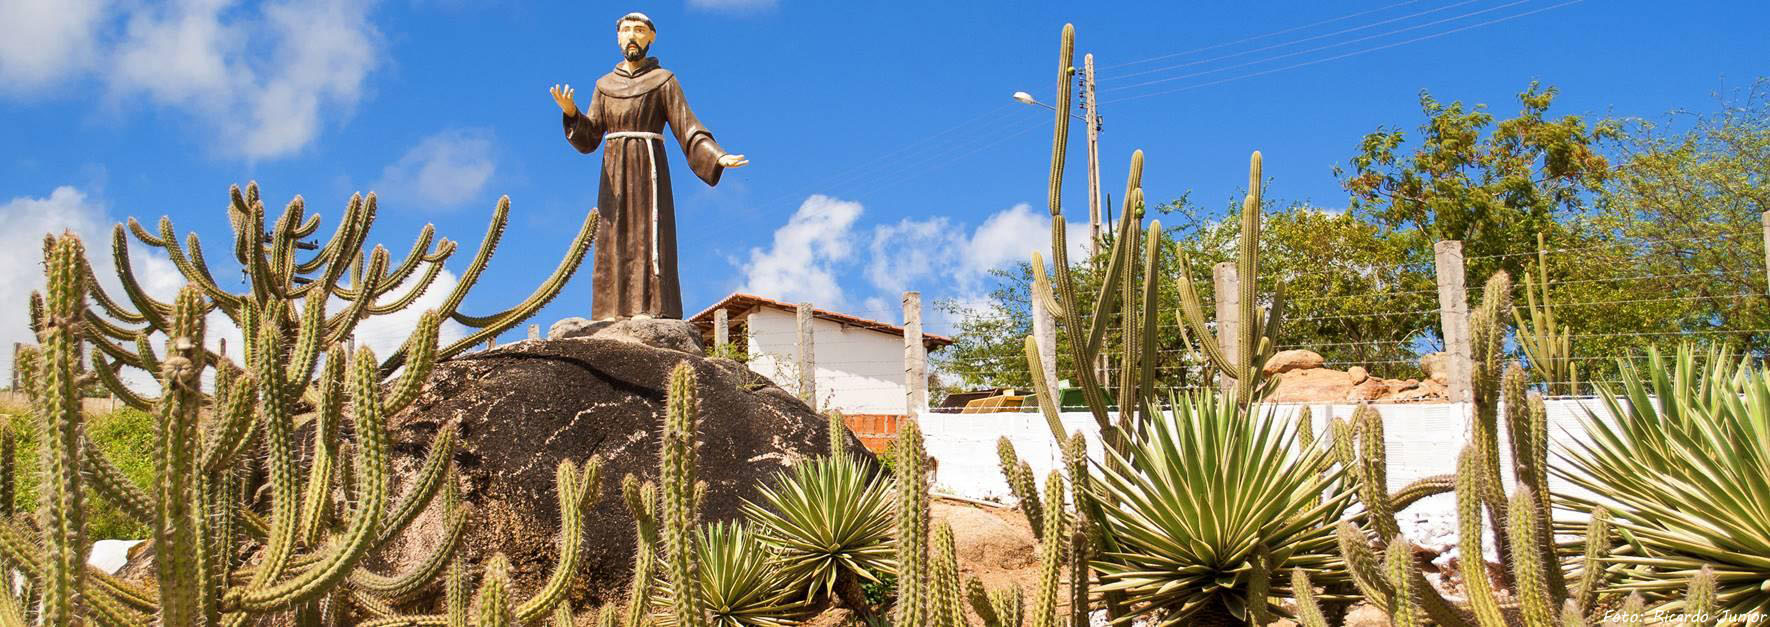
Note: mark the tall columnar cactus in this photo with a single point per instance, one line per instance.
(1022, 484)
(946, 607)
(679, 498)
(329, 509)
(1521, 522)
(913, 580)
(838, 429)
(1051, 551)
(1546, 344)
(642, 503)
(61, 506)
(1255, 333)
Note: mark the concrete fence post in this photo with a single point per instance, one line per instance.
(807, 358)
(1045, 336)
(1228, 297)
(1453, 312)
(721, 329)
(915, 356)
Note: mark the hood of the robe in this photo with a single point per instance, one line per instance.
(622, 83)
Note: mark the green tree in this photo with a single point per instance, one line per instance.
(1493, 186)
(1349, 296)
(1686, 202)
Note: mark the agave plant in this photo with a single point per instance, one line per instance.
(741, 585)
(1213, 504)
(829, 522)
(1680, 458)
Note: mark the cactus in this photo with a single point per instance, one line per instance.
(913, 581)
(642, 503)
(1521, 522)
(1022, 484)
(679, 509)
(1309, 612)
(838, 428)
(1255, 333)
(1050, 556)
(1547, 344)
(945, 607)
(493, 597)
(61, 507)
(1398, 568)
(312, 546)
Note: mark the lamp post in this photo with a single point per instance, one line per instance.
(1092, 121)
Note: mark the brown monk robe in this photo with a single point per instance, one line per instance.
(635, 270)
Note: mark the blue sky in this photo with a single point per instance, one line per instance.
(886, 153)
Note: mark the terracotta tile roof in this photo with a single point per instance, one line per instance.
(738, 303)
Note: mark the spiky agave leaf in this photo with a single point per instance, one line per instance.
(1200, 492)
(1679, 457)
(741, 584)
(824, 518)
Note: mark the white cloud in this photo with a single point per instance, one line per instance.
(23, 223)
(384, 334)
(42, 41)
(801, 263)
(938, 257)
(916, 254)
(260, 78)
(445, 170)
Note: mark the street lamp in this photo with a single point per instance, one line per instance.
(1026, 98)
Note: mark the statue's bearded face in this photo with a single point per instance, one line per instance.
(635, 39)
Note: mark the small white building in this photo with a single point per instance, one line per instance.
(859, 363)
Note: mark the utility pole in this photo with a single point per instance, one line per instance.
(1092, 110)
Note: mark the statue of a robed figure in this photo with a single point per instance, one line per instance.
(635, 272)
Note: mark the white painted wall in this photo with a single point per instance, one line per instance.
(1422, 440)
(859, 371)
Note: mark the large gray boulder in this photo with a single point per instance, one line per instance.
(521, 408)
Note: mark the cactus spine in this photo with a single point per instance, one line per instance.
(838, 434)
(1050, 556)
(1023, 485)
(642, 502)
(61, 511)
(311, 546)
(946, 609)
(680, 503)
(1398, 566)
(913, 581)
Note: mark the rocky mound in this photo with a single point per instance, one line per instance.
(522, 408)
(1303, 378)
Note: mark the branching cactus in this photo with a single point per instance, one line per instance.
(327, 512)
(1533, 571)
(269, 254)
(1255, 334)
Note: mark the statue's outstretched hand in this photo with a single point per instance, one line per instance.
(563, 97)
(733, 161)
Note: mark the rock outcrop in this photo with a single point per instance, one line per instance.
(1302, 378)
(522, 408)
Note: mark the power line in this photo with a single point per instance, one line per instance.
(1255, 37)
(1345, 55)
(1287, 55)
(1296, 41)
